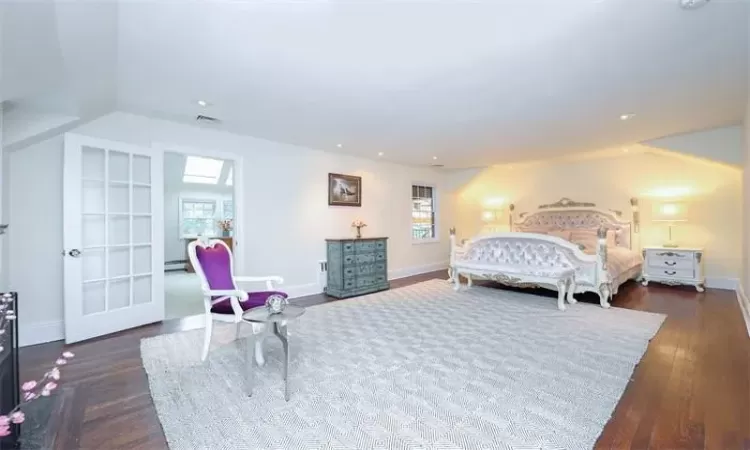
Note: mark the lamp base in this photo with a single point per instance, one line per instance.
(670, 245)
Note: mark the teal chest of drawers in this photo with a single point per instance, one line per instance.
(357, 266)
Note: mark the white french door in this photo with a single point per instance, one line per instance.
(114, 236)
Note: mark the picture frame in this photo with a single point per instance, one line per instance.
(344, 190)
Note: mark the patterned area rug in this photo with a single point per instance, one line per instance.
(416, 367)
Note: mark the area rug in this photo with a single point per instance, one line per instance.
(416, 367)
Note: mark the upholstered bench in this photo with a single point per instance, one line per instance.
(562, 278)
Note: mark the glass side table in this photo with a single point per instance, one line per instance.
(277, 323)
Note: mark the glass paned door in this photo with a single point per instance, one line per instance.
(114, 251)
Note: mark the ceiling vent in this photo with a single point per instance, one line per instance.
(206, 119)
(437, 165)
(693, 4)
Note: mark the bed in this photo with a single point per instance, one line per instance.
(596, 244)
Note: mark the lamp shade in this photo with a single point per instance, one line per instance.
(670, 212)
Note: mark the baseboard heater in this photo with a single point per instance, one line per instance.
(174, 266)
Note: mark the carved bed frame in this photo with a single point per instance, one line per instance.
(525, 257)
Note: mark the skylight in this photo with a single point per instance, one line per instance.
(230, 176)
(202, 170)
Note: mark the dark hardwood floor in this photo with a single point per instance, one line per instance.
(690, 391)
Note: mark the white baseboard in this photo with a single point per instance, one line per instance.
(722, 283)
(39, 333)
(744, 306)
(301, 290)
(417, 270)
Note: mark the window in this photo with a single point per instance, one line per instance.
(422, 213)
(230, 177)
(227, 210)
(202, 170)
(198, 217)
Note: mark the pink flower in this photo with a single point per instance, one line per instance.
(28, 396)
(61, 361)
(4, 430)
(4, 421)
(68, 355)
(17, 417)
(45, 393)
(29, 385)
(50, 386)
(54, 373)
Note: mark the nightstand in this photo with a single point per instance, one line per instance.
(673, 266)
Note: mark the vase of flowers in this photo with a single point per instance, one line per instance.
(358, 224)
(226, 227)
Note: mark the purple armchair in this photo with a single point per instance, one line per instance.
(223, 300)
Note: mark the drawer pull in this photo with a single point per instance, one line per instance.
(670, 263)
(671, 254)
(670, 272)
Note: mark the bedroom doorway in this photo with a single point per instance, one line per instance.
(199, 201)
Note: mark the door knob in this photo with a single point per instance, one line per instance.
(75, 253)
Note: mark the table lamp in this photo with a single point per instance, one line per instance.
(670, 212)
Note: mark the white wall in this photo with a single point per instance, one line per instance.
(723, 144)
(35, 239)
(4, 189)
(286, 213)
(745, 278)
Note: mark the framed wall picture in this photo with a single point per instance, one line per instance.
(344, 190)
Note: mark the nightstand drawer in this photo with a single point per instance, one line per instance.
(672, 254)
(674, 273)
(664, 262)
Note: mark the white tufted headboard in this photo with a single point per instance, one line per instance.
(568, 214)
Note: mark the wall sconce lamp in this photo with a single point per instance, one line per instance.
(490, 217)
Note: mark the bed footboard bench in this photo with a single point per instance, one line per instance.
(533, 260)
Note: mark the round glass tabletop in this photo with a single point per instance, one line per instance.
(261, 314)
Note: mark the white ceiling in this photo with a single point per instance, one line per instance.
(174, 170)
(473, 83)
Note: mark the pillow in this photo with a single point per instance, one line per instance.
(586, 237)
(612, 236)
(565, 234)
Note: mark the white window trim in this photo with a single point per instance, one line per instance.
(435, 208)
(217, 213)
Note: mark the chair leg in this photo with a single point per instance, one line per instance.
(207, 339)
(259, 358)
(237, 332)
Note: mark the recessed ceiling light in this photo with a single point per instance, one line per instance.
(202, 103)
(434, 157)
(692, 4)
(339, 145)
(380, 153)
(627, 116)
